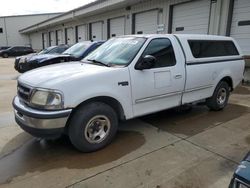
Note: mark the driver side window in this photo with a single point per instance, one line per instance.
(163, 51)
(14, 49)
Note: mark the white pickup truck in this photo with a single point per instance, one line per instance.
(127, 77)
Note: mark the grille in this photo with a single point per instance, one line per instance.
(23, 92)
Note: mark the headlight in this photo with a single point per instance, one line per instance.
(22, 60)
(47, 99)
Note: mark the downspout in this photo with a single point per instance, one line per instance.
(7, 42)
(230, 17)
(30, 42)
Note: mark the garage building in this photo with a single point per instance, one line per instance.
(10, 26)
(103, 19)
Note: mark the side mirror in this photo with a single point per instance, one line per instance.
(147, 62)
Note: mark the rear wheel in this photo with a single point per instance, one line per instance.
(220, 97)
(93, 126)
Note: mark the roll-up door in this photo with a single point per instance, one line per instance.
(81, 33)
(52, 38)
(191, 17)
(146, 22)
(240, 27)
(45, 40)
(96, 31)
(70, 36)
(116, 26)
(59, 37)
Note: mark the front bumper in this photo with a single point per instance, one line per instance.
(23, 67)
(40, 123)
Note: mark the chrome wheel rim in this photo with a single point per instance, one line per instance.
(97, 129)
(222, 96)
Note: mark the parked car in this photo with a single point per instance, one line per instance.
(74, 53)
(126, 77)
(50, 50)
(4, 47)
(16, 51)
(241, 177)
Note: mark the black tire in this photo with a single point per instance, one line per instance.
(79, 126)
(5, 55)
(214, 103)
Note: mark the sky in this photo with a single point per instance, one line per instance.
(18, 7)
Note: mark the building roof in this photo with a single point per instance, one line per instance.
(97, 6)
(24, 15)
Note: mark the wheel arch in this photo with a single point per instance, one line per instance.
(229, 81)
(115, 104)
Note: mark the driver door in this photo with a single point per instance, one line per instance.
(161, 86)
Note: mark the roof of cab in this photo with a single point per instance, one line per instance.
(183, 36)
(202, 37)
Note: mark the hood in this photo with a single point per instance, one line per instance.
(26, 56)
(51, 75)
(243, 172)
(44, 57)
(247, 157)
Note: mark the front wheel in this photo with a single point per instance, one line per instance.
(93, 126)
(220, 97)
(5, 55)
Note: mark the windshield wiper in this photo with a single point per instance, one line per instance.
(98, 62)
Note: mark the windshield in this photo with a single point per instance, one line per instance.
(46, 50)
(117, 51)
(57, 50)
(78, 49)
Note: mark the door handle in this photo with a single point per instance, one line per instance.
(178, 76)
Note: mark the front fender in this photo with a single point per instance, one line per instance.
(124, 101)
(78, 90)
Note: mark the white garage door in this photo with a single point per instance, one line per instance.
(82, 33)
(240, 28)
(59, 37)
(191, 18)
(52, 38)
(146, 22)
(45, 40)
(70, 36)
(117, 26)
(96, 31)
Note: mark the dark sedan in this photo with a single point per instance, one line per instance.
(241, 177)
(16, 51)
(74, 53)
(50, 50)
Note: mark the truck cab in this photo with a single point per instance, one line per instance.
(126, 77)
